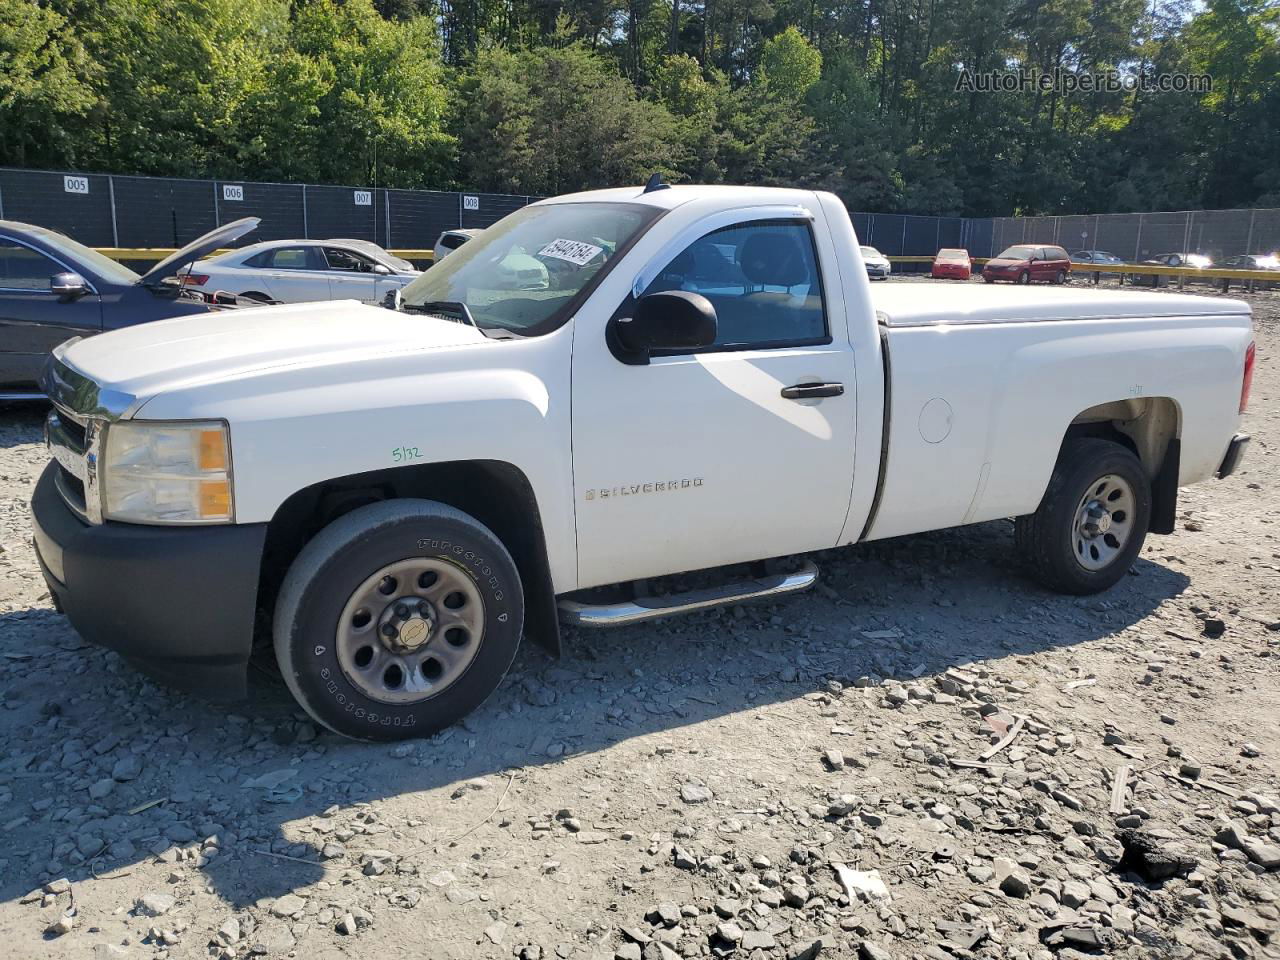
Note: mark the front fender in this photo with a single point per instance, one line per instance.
(293, 428)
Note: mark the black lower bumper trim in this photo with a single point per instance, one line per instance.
(178, 602)
(1235, 450)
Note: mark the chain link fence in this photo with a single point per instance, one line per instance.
(132, 212)
(1138, 236)
(125, 211)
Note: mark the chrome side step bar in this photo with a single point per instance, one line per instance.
(651, 608)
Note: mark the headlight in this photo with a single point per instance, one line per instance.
(167, 472)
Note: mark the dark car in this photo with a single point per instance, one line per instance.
(1190, 261)
(1095, 256)
(53, 288)
(1025, 262)
(1267, 262)
(1252, 261)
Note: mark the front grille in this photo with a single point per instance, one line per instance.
(73, 430)
(71, 488)
(67, 436)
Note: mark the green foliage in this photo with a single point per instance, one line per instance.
(546, 96)
(789, 65)
(555, 119)
(45, 85)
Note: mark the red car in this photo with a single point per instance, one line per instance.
(1025, 262)
(952, 264)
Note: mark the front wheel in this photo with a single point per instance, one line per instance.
(1024, 278)
(398, 619)
(1092, 520)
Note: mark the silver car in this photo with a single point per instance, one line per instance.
(293, 271)
(451, 240)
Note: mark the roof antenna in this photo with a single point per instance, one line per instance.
(655, 183)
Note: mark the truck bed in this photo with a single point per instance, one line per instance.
(983, 385)
(931, 304)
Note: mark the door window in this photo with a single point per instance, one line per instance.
(22, 268)
(762, 278)
(347, 260)
(283, 258)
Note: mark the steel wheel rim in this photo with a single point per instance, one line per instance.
(1103, 522)
(410, 631)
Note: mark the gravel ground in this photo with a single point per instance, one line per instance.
(799, 780)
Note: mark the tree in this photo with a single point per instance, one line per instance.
(789, 65)
(45, 85)
(574, 123)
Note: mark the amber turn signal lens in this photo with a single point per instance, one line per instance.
(213, 450)
(215, 499)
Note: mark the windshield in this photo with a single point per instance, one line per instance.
(102, 265)
(868, 252)
(1018, 253)
(379, 253)
(953, 255)
(523, 273)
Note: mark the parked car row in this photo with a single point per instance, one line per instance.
(291, 271)
(53, 288)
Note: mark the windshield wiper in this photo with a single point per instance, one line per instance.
(451, 309)
(442, 308)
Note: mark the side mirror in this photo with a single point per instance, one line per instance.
(670, 320)
(380, 269)
(68, 286)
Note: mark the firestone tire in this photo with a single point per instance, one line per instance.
(358, 578)
(1060, 543)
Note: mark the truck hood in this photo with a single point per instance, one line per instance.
(152, 358)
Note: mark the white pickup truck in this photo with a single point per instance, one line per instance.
(696, 377)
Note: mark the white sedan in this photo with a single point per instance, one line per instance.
(291, 271)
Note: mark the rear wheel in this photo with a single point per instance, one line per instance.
(1060, 277)
(398, 619)
(255, 295)
(1092, 520)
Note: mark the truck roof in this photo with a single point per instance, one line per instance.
(927, 304)
(673, 196)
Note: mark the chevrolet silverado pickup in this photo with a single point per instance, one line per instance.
(696, 379)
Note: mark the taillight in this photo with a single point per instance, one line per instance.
(194, 279)
(1250, 356)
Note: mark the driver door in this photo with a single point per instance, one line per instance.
(351, 275)
(33, 319)
(705, 457)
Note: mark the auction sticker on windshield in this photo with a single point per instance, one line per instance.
(571, 251)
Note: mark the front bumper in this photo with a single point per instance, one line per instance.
(178, 602)
(1235, 451)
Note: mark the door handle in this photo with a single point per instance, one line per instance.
(807, 391)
